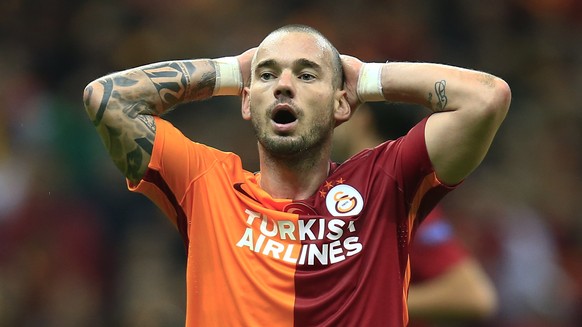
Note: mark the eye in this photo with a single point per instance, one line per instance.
(265, 76)
(306, 76)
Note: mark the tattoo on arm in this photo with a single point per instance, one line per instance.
(124, 81)
(439, 89)
(145, 144)
(107, 90)
(129, 131)
(138, 109)
(134, 164)
(130, 146)
(173, 82)
(124, 113)
(441, 96)
(206, 85)
(148, 122)
(169, 82)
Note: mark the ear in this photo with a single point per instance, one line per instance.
(246, 104)
(342, 111)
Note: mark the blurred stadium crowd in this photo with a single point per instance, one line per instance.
(77, 249)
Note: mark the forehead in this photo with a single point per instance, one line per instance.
(290, 46)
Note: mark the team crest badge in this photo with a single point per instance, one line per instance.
(344, 200)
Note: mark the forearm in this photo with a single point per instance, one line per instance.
(440, 87)
(469, 108)
(152, 89)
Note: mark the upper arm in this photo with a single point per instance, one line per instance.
(458, 139)
(122, 105)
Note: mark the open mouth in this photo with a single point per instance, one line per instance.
(284, 117)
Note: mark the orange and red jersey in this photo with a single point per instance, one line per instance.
(338, 258)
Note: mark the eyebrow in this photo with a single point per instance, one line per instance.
(298, 63)
(302, 62)
(266, 63)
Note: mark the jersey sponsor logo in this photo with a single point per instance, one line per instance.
(344, 200)
(305, 241)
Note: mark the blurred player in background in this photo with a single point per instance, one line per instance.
(448, 285)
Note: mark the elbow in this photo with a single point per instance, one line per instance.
(498, 100)
(502, 95)
(92, 94)
(88, 94)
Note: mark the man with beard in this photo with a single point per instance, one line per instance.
(304, 241)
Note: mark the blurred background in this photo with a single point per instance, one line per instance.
(78, 249)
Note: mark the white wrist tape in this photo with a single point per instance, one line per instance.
(228, 76)
(370, 83)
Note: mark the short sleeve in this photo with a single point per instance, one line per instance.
(176, 162)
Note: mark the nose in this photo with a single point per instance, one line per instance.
(285, 85)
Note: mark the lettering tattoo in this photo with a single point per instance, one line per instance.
(173, 82)
(441, 96)
(439, 89)
(169, 81)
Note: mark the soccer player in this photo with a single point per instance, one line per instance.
(304, 241)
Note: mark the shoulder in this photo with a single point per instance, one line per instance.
(169, 136)
(407, 152)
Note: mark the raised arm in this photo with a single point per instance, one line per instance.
(122, 105)
(468, 107)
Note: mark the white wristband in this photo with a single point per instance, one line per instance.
(370, 82)
(228, 76)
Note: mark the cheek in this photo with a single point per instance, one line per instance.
(325, 112)
(321, 102)
(259, 96)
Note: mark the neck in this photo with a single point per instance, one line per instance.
(295, 178)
